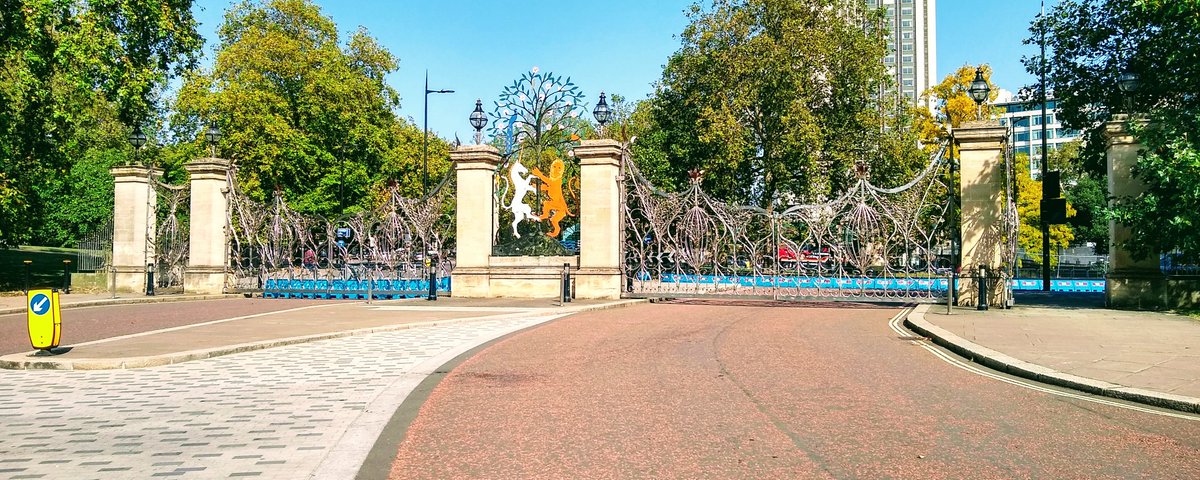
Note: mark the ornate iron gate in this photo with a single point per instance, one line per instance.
(170, 235)
(872, 243)
(385, 253)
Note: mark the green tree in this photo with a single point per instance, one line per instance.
(1093, 42)
(1029, 213)
(775, 100)
(72, 74)
(1086, 192)
(302, 112)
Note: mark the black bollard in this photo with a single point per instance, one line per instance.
(66, 288)
(432, 278)
(566, 283)
(982, 279)
(28, 265)
(150, 279)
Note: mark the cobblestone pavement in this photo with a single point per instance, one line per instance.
(302, 411)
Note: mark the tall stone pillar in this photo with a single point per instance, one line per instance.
(981, 190)
(207, 235)
(599, 274)
(134, 202)
(1130, 283)
(475, 166)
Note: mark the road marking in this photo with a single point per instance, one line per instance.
(897, 326)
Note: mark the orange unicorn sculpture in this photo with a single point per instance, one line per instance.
(555, 201)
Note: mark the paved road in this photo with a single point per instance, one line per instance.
(93, 323)
(695, 390)
(302, 411)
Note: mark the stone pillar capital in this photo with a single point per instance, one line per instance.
(981, 135)
(475, 157)
(599, 152)
(207, 167)
(134, 173)
(1117, 132)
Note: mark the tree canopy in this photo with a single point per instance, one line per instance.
(302, 112)
(73, 75)
(774, 100)
(1095, 41)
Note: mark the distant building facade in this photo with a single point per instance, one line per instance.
(1026, 133)
(912, 44)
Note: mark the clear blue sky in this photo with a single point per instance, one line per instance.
(477, 47)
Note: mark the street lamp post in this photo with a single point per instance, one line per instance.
(425, 141)
(212, 135)
(1128, 83)
(478, 120)
(979, 91)
(602, 113)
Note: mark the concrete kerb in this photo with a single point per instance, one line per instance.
(26, 361)
(916, 322)
(129, 300)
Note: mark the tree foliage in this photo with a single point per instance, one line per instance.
(775, 100)
(304, 113)
(1093, 42)
(73, 74)
(1029, 213)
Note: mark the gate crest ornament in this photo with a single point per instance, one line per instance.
(537, 121)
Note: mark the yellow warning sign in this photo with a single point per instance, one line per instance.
(45, 324)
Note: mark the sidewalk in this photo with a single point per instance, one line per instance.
(1146, 357)
(298, 325)
(16, 303)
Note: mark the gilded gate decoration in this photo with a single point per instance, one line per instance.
(871, 243)
(536, 123)
(170, 235)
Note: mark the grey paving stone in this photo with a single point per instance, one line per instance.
(213, 418)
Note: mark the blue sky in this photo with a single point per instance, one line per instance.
(476, 47)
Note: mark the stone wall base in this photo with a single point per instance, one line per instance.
(968, 292)
(513, 277)
(90, 282)
(131, 278)
(204, 280)
(1151, 291)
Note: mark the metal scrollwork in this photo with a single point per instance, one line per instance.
(386, 252)
(871, 243)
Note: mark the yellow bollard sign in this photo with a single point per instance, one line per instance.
(45, 324)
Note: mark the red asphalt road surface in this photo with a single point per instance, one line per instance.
(86, 324)
(700, 390)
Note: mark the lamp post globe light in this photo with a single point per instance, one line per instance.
(979, 90)
(1128, 82)
(425, 140)
(137, 139)
(212, 135)
(602, 113)
(478, 120)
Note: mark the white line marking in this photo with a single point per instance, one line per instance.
(896, 326)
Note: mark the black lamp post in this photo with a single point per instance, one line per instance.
(1128, 82)
(979, 91)
(602, 113)
(212, 135)
(478, 120)
(137, 139)
(425, 141)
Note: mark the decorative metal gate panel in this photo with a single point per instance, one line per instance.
(385, 253)
(872, 243)
(170, 236)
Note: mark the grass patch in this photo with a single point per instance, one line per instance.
(46, 271)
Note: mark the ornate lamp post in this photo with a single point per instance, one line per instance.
(1128, 82)
(602, 113)
(425, 141)
(478, 120)
(212, 135)
(137, 139)
(979, 91)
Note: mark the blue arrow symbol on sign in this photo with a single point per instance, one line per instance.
(40, 304)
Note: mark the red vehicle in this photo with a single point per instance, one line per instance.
(808, 256)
